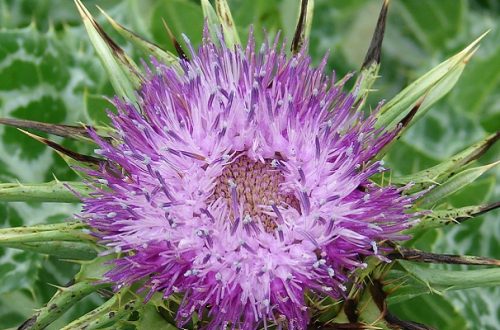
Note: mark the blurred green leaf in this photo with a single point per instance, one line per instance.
(479, 87)
(420, 19)
(408, 158)
(182, 16)
(151, 319)
(444, 315)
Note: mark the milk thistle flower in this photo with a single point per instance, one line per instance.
(244, 183)
(242, 187)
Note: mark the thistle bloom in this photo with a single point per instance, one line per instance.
(241, 182)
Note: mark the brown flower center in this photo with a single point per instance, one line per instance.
(257, 187)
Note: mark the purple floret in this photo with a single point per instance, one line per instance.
(241, 184)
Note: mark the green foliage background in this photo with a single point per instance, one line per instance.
(48, 72)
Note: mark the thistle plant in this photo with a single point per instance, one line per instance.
(239, 186)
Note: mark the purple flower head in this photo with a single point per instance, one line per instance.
(242, 184)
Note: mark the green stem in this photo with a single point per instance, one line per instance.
(82, 322)
(60, 303)
(62, 226)
(114, 316)
(416, 255)
(44, 236)
(115, 309)
(63, 240)
(441, 218)
(40, 234)
(54, 191)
